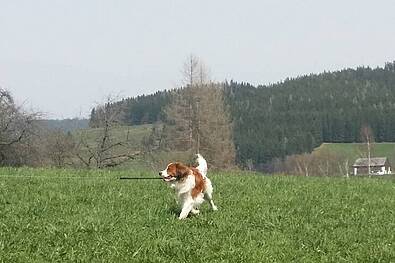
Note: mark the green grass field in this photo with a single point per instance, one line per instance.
(91, 216)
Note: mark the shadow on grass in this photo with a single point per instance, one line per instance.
(174, 210)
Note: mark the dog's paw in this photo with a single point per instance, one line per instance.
(195, 211)
(215, 208)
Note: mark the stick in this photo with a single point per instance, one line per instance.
(139, 178)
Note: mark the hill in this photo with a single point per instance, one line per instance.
(68, 215)
(296, 115)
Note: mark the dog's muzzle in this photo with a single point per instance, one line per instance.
(166, 178)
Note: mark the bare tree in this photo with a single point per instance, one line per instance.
(195, 74)
(317, 163)
(303, 163)
(105, 146)
(180, 130)
(298, 164)
(14, 123)
(214, 129)
(368, 138)
(59, 148)
(193, 71)
(16, 126)
(198, 119)
(344, 168)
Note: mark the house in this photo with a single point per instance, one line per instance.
(378, 166)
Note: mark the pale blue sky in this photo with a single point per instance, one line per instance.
(60, 57)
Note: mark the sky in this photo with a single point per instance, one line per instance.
(63, 57)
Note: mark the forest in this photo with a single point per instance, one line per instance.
(295, 115)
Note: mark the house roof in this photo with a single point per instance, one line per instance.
(364, 162)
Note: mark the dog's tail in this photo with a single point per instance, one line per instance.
(202, 167)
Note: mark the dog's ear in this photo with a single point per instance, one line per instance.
(182, 170)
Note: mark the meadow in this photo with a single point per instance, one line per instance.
(54, 215)
(352, 151)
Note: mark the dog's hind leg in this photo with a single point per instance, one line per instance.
(210, 200)
(199, 199)
(208, 195)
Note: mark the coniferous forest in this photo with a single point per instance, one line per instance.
(299, 114)
(295, 115)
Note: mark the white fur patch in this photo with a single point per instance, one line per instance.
(202, 167)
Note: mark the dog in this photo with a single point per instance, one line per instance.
(191, 185)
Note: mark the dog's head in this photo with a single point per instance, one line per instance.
(174, 171)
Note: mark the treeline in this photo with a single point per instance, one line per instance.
(296, 115)
(139, 110)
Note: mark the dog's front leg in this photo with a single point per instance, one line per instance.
(186, 208)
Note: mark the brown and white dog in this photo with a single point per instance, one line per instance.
(191, 185)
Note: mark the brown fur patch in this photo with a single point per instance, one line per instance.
(181, 171)
(178, 170)
(171, 170)
(200, 183)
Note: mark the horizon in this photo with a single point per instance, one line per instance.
(257, 85)
(63, 67)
